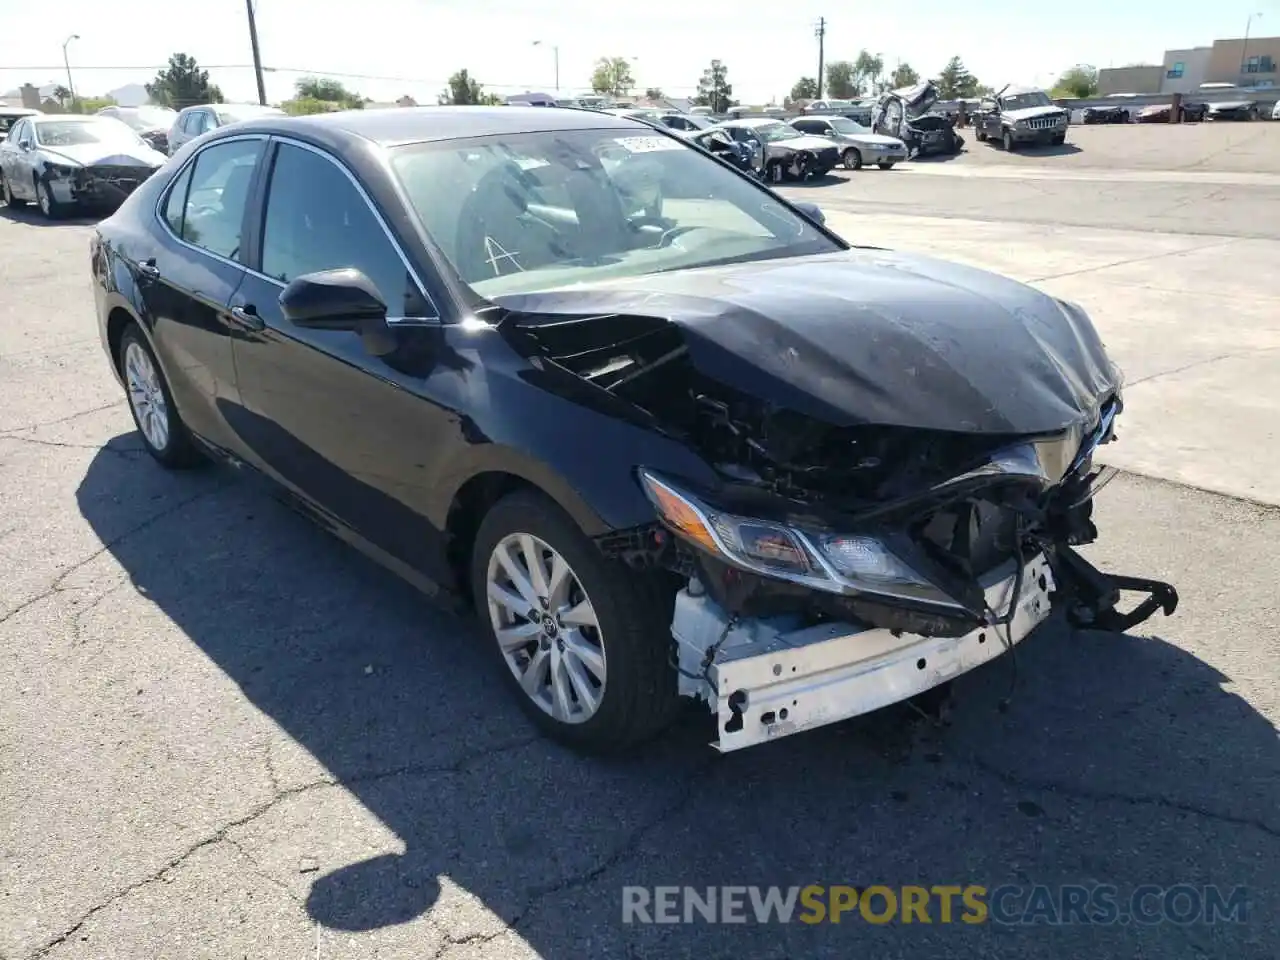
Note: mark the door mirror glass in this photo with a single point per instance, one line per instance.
(343, 299)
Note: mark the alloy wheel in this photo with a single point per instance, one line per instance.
(146, 396)
(546, 628)
(45, 201)
(4, 191)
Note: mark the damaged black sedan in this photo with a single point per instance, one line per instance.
(663, 431)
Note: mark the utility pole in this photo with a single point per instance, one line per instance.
(257, 57)
(66, 61)
(820, 32)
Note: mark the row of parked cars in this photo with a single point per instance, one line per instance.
(1192, 112)
(64, 162)
(777, 150)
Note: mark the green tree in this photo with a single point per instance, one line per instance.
(330, 91)
(464, 89)
(841, 83)
(714, 89)
(654, 93)
(612, 75)
(182, 83)
(904, 76)
(956, 82)
(868, 73)
(62, 95)
(806, 88)
(1080, 81)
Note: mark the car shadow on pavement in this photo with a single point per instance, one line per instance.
(1038, 150)
(33, 216)
(1121, 760)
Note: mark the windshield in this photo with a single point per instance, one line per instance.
(74, 133)
(148, 118)
(847, 126)
(773, 132)
(1020, 101)
(538, 211)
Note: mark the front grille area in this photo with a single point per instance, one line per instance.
(113, 179)
(1044, 123)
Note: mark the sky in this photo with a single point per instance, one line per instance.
(390, 48)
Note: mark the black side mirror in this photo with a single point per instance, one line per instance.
(332, 300)
(811, 210)
(343, 299)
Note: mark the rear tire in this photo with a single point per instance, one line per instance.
(6, 192)
(600, 621)
(155, 415)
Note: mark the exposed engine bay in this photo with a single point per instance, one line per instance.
(835, 556)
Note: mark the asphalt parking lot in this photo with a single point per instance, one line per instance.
(224, 734)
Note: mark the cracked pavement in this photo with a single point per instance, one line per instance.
(225, 734)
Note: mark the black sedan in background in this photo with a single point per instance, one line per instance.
(661, 429)
(1108, 114)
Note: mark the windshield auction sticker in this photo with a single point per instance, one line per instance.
(648, 144)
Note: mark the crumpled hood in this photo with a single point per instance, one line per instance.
(870, 337)
(106, 154)
(1027, 113)
(1231, 105)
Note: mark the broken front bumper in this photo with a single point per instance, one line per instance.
(766, 679)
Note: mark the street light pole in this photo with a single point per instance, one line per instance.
(1244, 48)
(66, 62)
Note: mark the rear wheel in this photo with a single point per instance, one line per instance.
(163, 433)
(7, 193)
(851, 159)
(583, 641)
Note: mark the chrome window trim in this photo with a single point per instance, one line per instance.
(163, 199)
(435, 316)
(267, 138)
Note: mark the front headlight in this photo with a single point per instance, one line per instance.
(831, 562)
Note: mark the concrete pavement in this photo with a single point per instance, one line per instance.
(223, 734)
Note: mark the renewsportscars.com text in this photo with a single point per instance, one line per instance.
(1097, 904)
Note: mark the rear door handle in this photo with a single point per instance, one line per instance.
(148, 269)
(248, 318)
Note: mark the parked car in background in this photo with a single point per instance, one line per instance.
(686, 121)
(1112, 113)
(1234, 110)
(1275, 111)
(11, 115)
(65, 162)
(151, 123)
(193, 121)
(1163, 113)
(721, 144)
(858, 145)
(906, 114)
(787, 154)
(1022, 115)
(684, 454)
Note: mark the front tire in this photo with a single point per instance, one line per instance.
(885, 164)
(49, 207)
(851, 159)
(1008, 142)
(582, 641)
(155, 415)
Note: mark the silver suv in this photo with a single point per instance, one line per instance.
(193, 121)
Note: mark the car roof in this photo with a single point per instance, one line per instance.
(755, 121)
(391, 126)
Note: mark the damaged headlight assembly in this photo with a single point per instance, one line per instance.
(834, 562)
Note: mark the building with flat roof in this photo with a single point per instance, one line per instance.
(1185, 70)
(1138, 78)
(1246, 63)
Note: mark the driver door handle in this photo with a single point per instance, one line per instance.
(247, 317)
